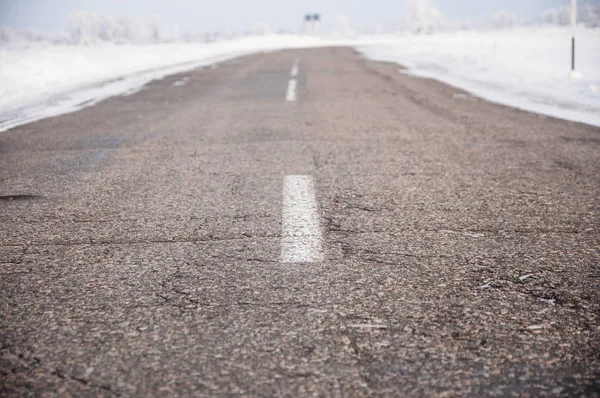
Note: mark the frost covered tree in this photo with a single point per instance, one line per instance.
(24, 36)
(85, 27)
(422, 18)
(342, 26)
(501, 20)
(588, 15)
(557, 16)
(7, 35)
(261, 28)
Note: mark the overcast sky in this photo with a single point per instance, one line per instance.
(201, 15)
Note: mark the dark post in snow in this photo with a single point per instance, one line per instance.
(573, 54)
(574, 28)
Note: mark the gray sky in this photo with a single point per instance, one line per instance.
(201, 15)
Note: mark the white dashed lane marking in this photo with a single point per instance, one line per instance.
(293, 83)
(301, 233)
(291, 91)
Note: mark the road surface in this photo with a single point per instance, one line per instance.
(299, 223)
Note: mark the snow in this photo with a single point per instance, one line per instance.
(527, 68)
(39, 80)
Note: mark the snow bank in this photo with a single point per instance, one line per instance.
(527, 68)
(43, 80)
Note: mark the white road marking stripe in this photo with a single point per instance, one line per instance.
(295, 70)
(301, 233)
(291, 90)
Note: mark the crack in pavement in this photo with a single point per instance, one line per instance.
(92, 242)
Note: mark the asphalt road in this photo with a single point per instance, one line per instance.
(374, 234)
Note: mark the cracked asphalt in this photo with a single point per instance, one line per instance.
(140, 241)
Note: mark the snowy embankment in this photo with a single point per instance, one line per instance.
(526, 68)
(39, 80)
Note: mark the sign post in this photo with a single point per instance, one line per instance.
(316, 19)
(307, 19)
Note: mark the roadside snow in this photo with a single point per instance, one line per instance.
(526, 68)
(40, 80)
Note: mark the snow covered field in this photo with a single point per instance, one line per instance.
(527, 68)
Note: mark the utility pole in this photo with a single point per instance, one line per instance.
(573, 31)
